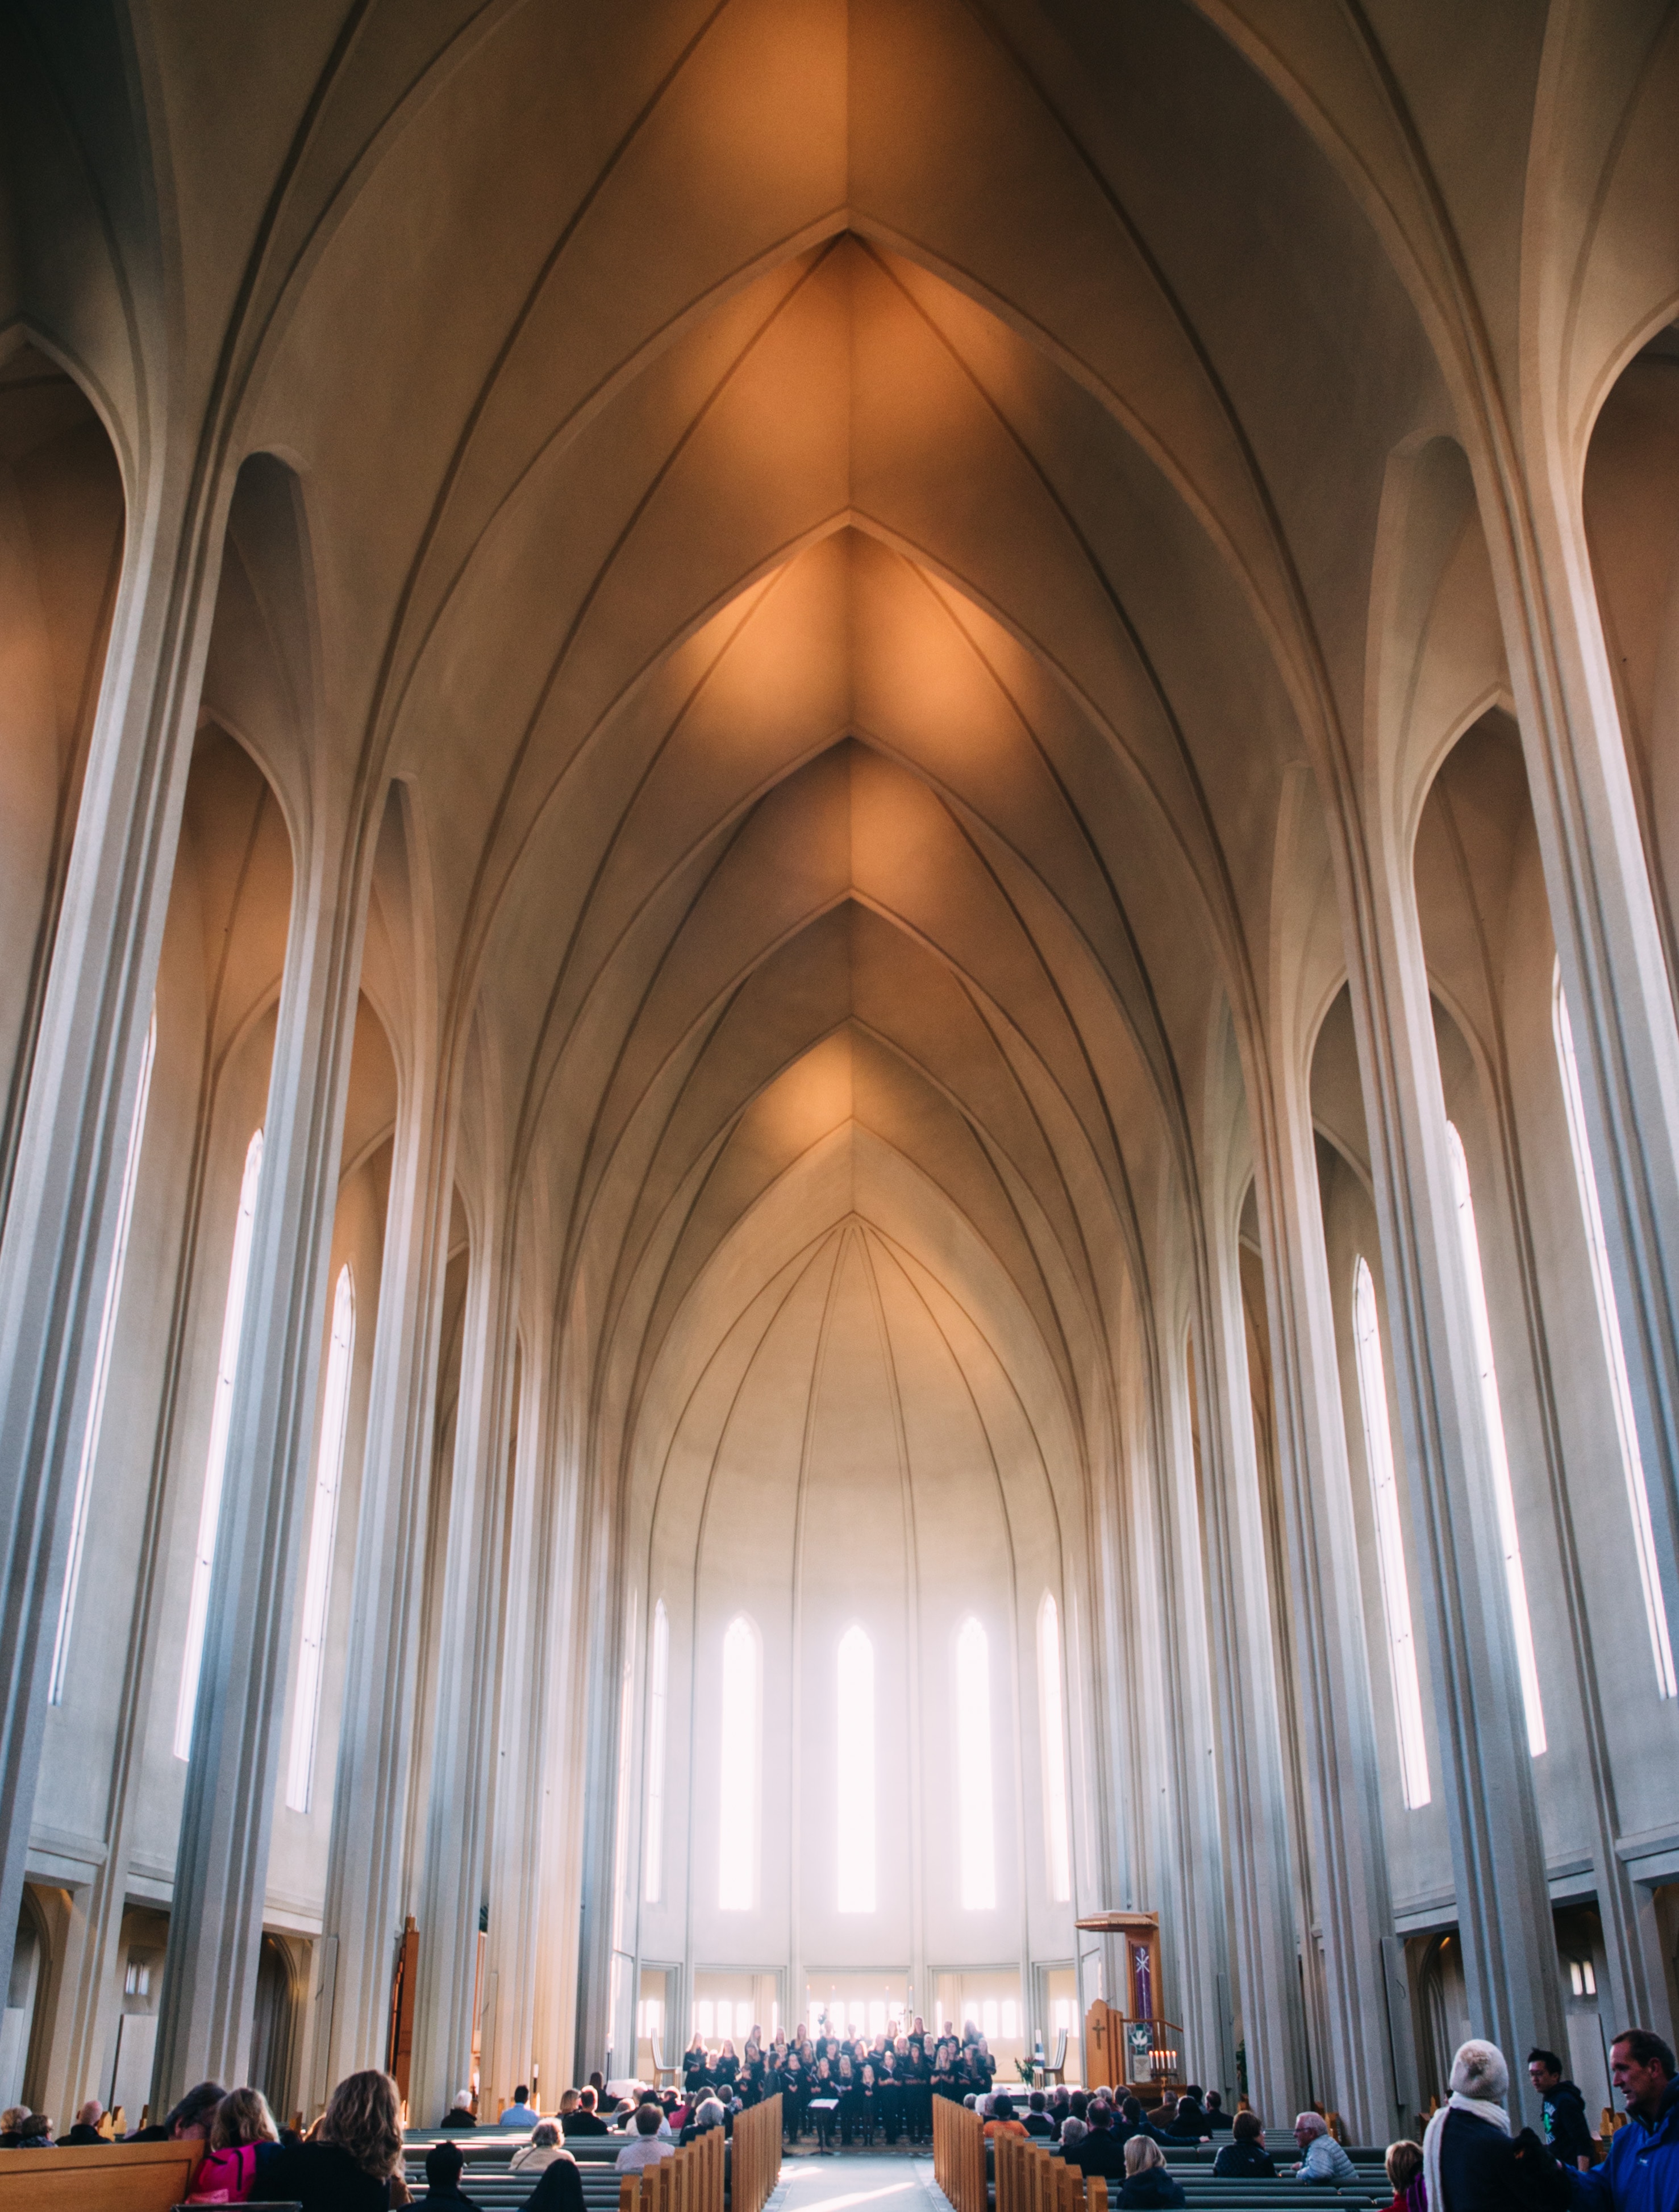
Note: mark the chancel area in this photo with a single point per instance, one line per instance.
(839, 1066)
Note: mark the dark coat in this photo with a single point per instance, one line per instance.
(1156, 2187)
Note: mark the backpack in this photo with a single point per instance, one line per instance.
(225, 2177)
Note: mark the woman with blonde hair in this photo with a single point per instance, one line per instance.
(354, 2160)
(1147, 2182)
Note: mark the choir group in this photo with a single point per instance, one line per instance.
(854, 2088)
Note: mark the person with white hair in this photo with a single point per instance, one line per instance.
(1322, 2158)
(1468, 2158)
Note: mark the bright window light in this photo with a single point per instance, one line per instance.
(705, 2018)
(1504, 1496)
(737, 1812)
(1390, 1540)
(1055, 1750)
(107, 1331)
(988, 2018)
(877, 2016)
(856, 1733)
(973, 1769)
(658, 1691)
(215, 1462)
(322, 1534)
(1614, 1354)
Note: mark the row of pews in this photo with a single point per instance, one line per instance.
(704, 2177)
(1029, 2176)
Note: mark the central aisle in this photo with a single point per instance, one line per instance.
(864, 2181)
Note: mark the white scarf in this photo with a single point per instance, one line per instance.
(1436, 2128)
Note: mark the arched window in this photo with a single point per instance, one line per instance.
(1504, 1497)
(1614, 1355)
(323, 1534)
(737, 1810)
(108, 1330)
(215, 1462)
(658, 1691)
(1053, 1734)
(855, 1738)
(975, 1815)
(1390, 1539)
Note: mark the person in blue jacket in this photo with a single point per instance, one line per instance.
(1641, 2172)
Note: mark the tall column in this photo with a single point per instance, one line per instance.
(60, 1222)
(1265, 1932)
(1343, 1807)
(1498, 1855)
(522, 1773)
(1608, 940)
(457, 1820)
(361, 1915)
(222, 1865)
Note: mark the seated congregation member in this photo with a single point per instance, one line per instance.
(540, 2153)
(1134, 2121)
(559, 2188)
(1003, 2121)
(1217, 2118)
(1038, 2122)
(585, 2120)
(1148, 2184)
(242, 2138)
(460, 2115)
(710, 2112)
(353, 2160)
(1322, 2158)
(1101, 2151)
(1189, 2122)
(1404, 2162)
(187, 2122)
(1073, 2132)
(443, 2165)
(1245, 2156)
(86, 2130)
(10, 2121)
(36, 2133)
(651, 2143)
(519, 2114)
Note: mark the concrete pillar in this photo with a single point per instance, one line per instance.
(1264, 1931)
(1332, 1686)
(221, 1866)
(362, 1914)
(458, 1827)
(1608, 940)
(1498, 1855)
(56, 1240)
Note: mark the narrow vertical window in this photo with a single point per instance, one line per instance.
(658, 1690)
(977, 1842)
(107, 1331)
(1615, 1354)
(1055, 1751)
(322, 1534)
(1504, 1497)
(215, 1462)
(737, 1810)
(1390, 1540)
(856, 1737)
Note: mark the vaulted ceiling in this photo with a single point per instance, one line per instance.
(847, 515)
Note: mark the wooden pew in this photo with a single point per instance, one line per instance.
(693, 2178)
(99, 2177)
(755, 2165)
(959, 2154)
